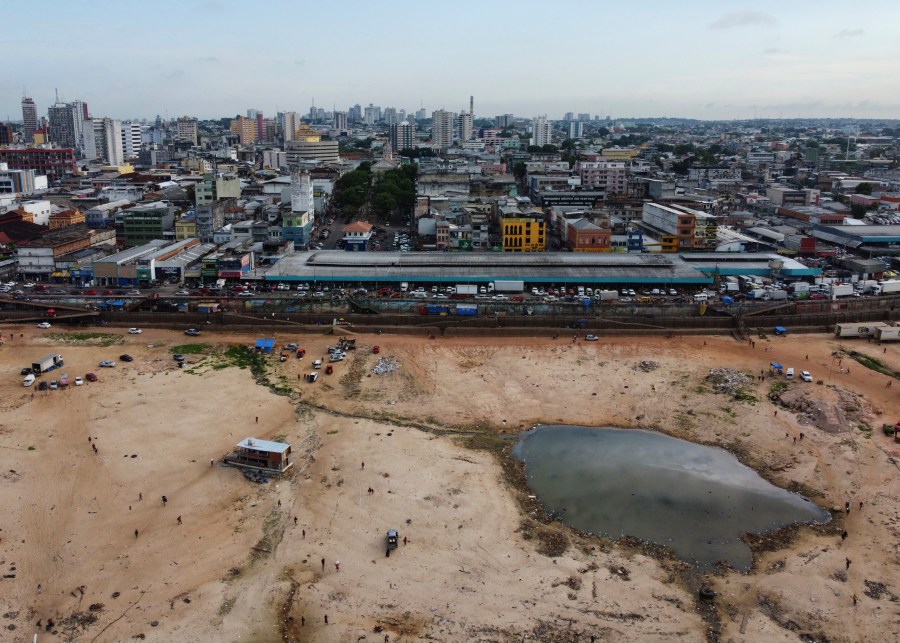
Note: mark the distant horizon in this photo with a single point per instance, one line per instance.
(706, 60)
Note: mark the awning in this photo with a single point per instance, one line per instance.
(60, 273)
(776, 365)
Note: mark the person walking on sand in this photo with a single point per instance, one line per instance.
(847, 506)
(363, 466)
(164, 501)
(135, 533)
(404, 540)
(323, 564)
(257, 419)
(855, 599)
(295, 521)
(179, 520)
(844, 535)
(847, 561)
(140, 495)
(337, 565)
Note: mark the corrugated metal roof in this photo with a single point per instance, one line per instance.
(263, 445)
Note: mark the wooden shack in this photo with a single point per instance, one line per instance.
(265, 455)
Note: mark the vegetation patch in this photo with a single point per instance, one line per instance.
(90, 339)
(875, 365)
(190, 349)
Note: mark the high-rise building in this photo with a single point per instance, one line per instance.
(244, 129)
(63, 125)
(421, 114)
(569, 116)
(576, 129)
(402, 136)
(186, 129)
(340, 120)
(372, 114)
(108, 140)
(584, 117)
(465, 126)
(297, 225)
(6, 134)
(291, 123)
(131, 139)
(506, 120)
(29, 120)
(541, 131)
(441, 129)
(354, 114)
(260, 127)
(390, 116)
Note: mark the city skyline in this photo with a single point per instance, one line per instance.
(707, 60)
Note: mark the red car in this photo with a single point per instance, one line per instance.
(90, 292)
(90, 377)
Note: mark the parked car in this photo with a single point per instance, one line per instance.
(78, 381)
(54, 385)
(591, 338)
(126, 358)
(806, 376)
(178, 357)
(134, 331)
(182, 293)
(44, 325)
(134, 293)
(29, 380)
(43, 386)
(26, 371)
(192, 332)
(107, 364)
(290, 347)
(91, 377)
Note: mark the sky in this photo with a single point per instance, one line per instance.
(706, 59)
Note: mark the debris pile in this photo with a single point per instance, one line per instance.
(385, 365)
(646, 366)
(728, 381)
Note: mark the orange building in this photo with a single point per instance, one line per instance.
(65, 218)
(584, 236)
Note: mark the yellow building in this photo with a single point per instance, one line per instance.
(244, 129)
(620, 153)
(65, 218)
(524, 234)
(185, 228)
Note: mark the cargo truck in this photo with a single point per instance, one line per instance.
(47, 363)
(800, 286)
(509, 286)
(843, 290)
(758, 294)
(887, 333)
(777, 295)
(606, 295)
(856, 330)
(864, 286)
(465, 291)
(889, 287)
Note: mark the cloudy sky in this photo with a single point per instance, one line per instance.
(707, 59)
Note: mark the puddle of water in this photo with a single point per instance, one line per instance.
(692, 498)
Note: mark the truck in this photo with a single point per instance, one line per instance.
(758, 294)
(864, 286)
(858, 329)
(845, 290)
(886, 287)
(465, 291)
(887, 333)
(799, 286)
(509, 286)
(606, 295)
(777, 295)
(47, 363)
(731, 284)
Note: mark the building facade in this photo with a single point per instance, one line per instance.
(147, 222)
(244, 129)
(524, 234)
(541, 131)
(29, 120)
(441, 129)
(186, 129)
(402, 136)
(54, 163)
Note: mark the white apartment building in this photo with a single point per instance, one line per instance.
(291, 123)
(186, 129)
(441, 129)
(131, 139)
(465, 126)
(541, 131)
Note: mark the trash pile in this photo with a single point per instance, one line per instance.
(728, 381)
(385, 365)
(646, 366)
(255, 476)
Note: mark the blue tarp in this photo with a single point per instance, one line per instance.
(265, 345)
(776, 366)
(781, 330)
(727, 301)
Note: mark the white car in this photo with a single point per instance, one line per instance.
(78, 381)
(805, 376)
(182, 293)
(28, 284)
(134, 331)
(29, 380)
(44, 325)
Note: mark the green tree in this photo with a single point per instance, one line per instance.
(858, 210)
(549, 149)
(519, 170)
(534, 149)
(568, 144)
(864, 188)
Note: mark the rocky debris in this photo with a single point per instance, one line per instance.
(385, 365)
(728, 381)
(813, 410)
(876, 590)
(646, 366)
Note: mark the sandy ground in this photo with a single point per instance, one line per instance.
(238, 568)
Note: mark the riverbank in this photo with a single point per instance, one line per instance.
(476, 564)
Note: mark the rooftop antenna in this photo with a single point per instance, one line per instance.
(57, 94)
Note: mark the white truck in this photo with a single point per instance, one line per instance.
(47, 363)
(859, 329)
(606, 295)
(886, 287)
(864, 286)
(513, 286)
(777, 295)
(464, 291)
(844, 290)
(799, 286)
(887, 333)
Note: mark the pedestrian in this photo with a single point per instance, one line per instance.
(129, 507)
(326, 619)
(323, 564)
(888, 385)
(337, 565)
(279, 503)
(844, 535)
(302, 621)
(211, 462)
(386, 638)
(885, 351)
(363, 465)
(164, 501)
(94, 447)
(801, 436)
(179, 520)
(860, 504)
(807, 358)
(135, 533)
(404, 540)
(257, 419)
(303, 533)
(848, 561)
(295, 521)
(795, 440)
(140, 495)
(847, 506)
(776, 412)
(855, 598)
